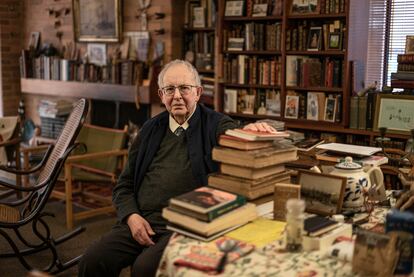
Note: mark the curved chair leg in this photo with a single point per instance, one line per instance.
(68, 196)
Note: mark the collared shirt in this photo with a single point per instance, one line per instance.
(174, 125)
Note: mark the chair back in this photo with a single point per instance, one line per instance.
(99, 139)
(64, 144)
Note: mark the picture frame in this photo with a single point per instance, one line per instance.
(315, 39)
(34, 40)
(97, 53)
(322, 193)
(304, 7)
(234, 8)
(395, 112)
(409, 45)
(335, 41)
(292, 106)
(330, 109)
(259, 10)
(199, 18)
(312, 107)
(97, 20)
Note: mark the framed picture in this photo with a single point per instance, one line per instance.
(97, 53)
(97, 20)
(199, 19)
(234, 8)
(330, 109)
(139, 45)
(259, 10)
(395, 112)
(315, 39)
(335, 41)
(409, 45)
(292, 106)
(304, 7)
(312, 108)
(322, 193)
(34, 40)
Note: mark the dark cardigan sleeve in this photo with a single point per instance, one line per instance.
(123, 195)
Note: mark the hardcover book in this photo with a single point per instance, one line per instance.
(206, 200)
(317, 225)
(277, 154)
(282, 193)
(251, 173)
(242, 144)
(254, 135)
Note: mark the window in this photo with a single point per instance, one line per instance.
(390, 21)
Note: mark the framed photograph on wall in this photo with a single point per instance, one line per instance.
(322, 193)
(315, 39)
(234, 8)
(395, 112)
(97, 20)
(335, 41)
(97, 53)
(259, 10)
(409, 45)
(292, 106)
(304, 7)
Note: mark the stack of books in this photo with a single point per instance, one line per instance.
(207, 213)
(251, 163)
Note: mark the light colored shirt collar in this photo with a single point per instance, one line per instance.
(174, 125)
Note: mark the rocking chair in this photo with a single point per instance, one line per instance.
(29, 209)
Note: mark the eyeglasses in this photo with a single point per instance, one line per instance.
(183, 89)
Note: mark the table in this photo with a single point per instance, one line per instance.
(265, 261)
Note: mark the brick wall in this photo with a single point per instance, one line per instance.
(11, 27)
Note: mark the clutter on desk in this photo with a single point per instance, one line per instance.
(294, 224)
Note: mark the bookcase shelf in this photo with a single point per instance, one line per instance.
(252, 52)
(324, 89)
(316, 53)
(98, 91)
(250, 86)
(250, 18)
(317, 16)
(206, 29)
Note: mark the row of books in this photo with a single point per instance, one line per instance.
(200, 42)
(253, 8)
(303, 71)
(125, 72)
(244, 69)
(332, 6)
(200, 13)
(53, 109)
(308, 36)
(362, 111)
(252, 101)
(253, 36)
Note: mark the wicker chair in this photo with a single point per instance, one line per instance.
(29, 209)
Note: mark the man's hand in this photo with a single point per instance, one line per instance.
(140, 229)
(260, 127)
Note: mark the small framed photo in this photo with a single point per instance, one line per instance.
(199, 19)
(322, 193)
(292, 106)
(335, 41)
(409, 45)
(330, 109)
(312, 109)
(304, 7)
(259, 10)
(34, 40)
(315, 39)
(97, 53)
(234, 8)
(235, 44)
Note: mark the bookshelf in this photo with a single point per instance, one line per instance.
(287, 35)
(199, 38)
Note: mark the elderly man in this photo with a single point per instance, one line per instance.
(171, 156)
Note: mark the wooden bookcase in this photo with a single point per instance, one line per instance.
(235, 26)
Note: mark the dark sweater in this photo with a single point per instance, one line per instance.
(201, 136)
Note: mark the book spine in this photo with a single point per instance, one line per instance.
(240, 201)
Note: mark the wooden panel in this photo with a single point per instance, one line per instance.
(97, 91)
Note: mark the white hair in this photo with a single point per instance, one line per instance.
(189, 66)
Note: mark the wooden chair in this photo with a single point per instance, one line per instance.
(103, 157)
(29, 209)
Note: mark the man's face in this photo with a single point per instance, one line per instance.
(179, 106)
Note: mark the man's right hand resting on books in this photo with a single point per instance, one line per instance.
(140, 229)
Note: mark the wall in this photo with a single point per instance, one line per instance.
(37, 18)
(11, 18)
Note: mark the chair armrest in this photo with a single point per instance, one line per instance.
(34, 149)
(92, 156)
(92, 170)
(9, 142)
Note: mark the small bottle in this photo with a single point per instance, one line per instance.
(294, 224)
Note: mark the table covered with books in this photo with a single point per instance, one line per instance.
(265, 260)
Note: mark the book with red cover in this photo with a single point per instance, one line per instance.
(255, 135)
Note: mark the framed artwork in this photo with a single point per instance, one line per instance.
(322, 193)
(330, 109)
(335, 41)
(34, 40)
(315, 39)
(97, 53)
(312, 108)
(304, 7)
(97, 20)
(395, 112)
(234, 8)
(292, 106)
(409, 45)
(259, 10)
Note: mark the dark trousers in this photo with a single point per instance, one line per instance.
(118, 249)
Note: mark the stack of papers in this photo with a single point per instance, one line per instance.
(351, 149)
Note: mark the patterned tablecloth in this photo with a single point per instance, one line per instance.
(265, 261)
